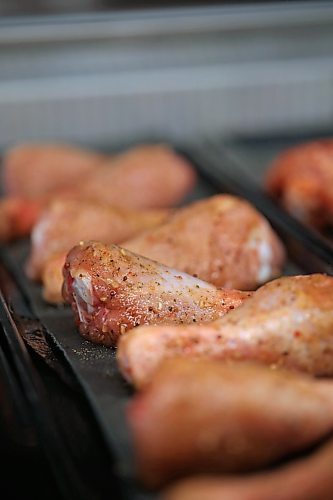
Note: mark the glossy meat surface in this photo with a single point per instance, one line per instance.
(112, 290)
(34, 170)
(52, 278)
(66, 222)
(143, 177)
(210, 417)
(17, 217)
(221, 239)
(302, 179)
(286, 323)
(309, 478)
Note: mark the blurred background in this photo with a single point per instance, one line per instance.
(103, 72)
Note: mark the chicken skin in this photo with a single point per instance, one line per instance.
(286, 323)
(221, 239)
(141, 178)
(17, 217)
(309, 478)
(302, 179)
(205, 416)
(65, 222)
(112, 290)
(33, 170)
(52, 278)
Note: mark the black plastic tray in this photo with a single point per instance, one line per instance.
(98, 395)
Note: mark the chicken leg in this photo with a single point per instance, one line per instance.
(286, 323)
(221, 239)
(301, 178)
(308, 478)
(111, 290)
(205, 416)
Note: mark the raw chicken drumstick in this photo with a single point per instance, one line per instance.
(143, 177)
(18, 216)
(302, 179)
(52, 279)
(65, 222)
(51, 238)
(205, 416)
(30, 174)
(245, 262)
(286, 323)
(222, 240)
(34, 170)
(111, 290)
(309, 478)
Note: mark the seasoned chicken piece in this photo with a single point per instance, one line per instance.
(302, 179)
(33, 170)
(143, 177)
(111, 290)
(286, 323)
(17, 217)
(52, 278)
(222, 240)
(51, 240)
(256, 258)
(203, 416)
(309, 478)
(65, 222)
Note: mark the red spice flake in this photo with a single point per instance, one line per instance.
(297, 333)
